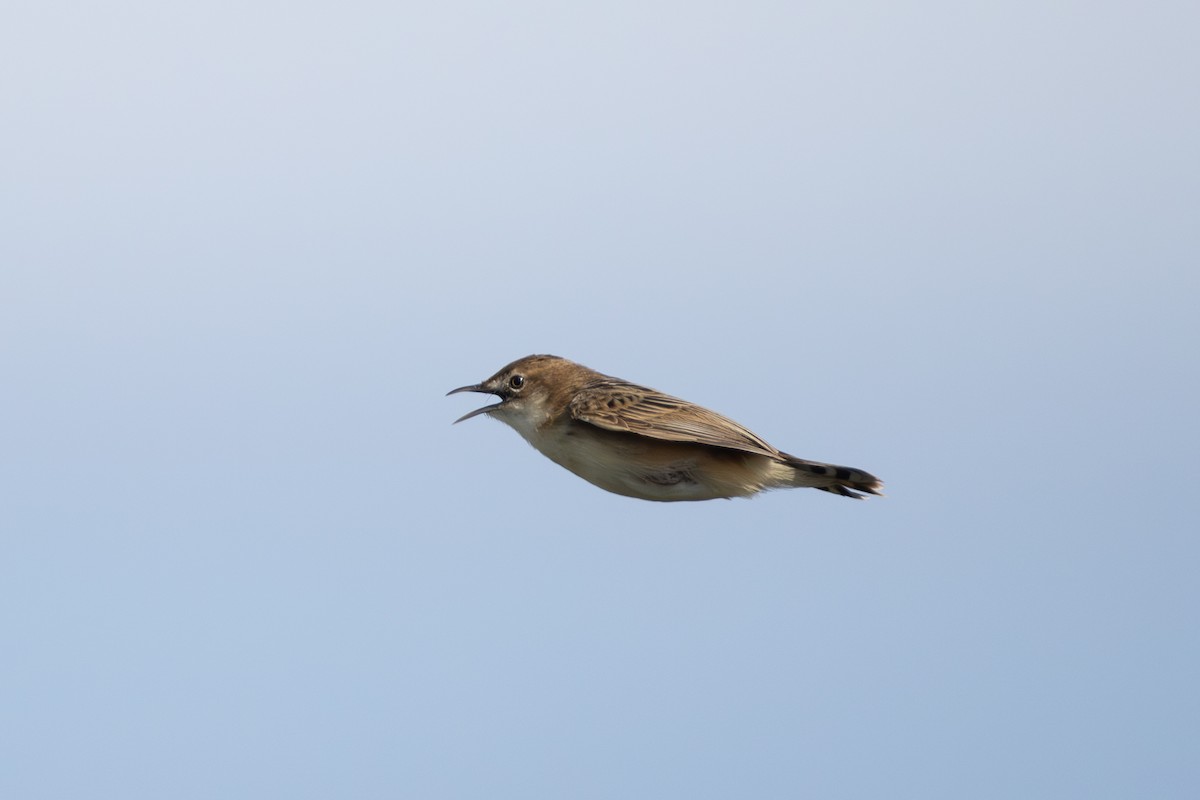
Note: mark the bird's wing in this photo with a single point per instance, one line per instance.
(619, 406)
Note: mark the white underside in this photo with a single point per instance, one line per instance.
(647, 468)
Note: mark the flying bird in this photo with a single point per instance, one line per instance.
(639, 442)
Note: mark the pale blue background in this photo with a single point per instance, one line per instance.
(247, 246)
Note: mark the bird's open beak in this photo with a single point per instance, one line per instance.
(478, 387)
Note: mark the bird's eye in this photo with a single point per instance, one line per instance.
(516, 381)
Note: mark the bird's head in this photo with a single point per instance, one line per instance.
(531, 390)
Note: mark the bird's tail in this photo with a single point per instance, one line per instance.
(846, 481)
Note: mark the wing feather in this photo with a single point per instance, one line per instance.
(618, 406)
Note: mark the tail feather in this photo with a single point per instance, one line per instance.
(845, 481)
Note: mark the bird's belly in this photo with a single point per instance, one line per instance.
(665, 471)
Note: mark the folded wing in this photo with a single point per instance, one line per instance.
(618, 406)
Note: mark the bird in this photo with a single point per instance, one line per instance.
(638, 442)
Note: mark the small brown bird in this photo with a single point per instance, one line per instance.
(642, 443)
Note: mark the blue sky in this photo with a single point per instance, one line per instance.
(247, 248)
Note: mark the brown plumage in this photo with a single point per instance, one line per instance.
(639, 442)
